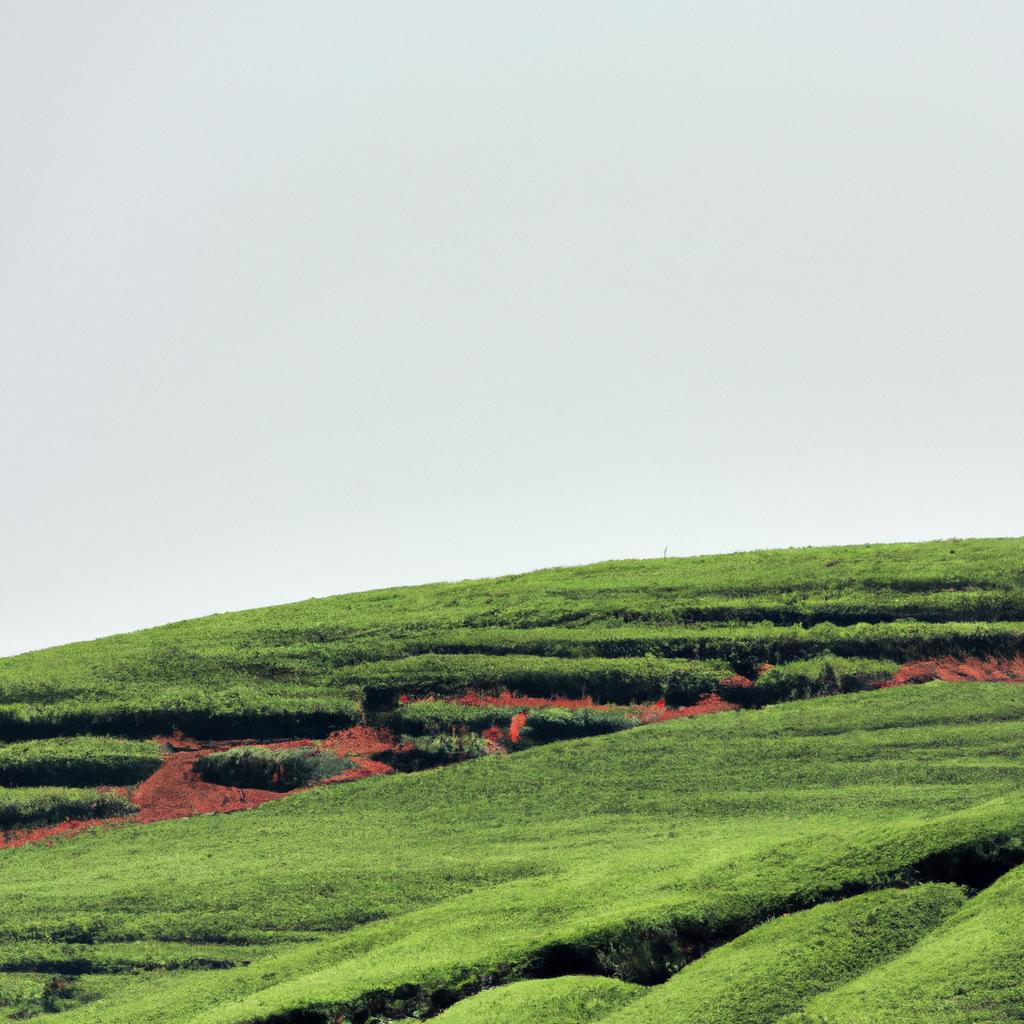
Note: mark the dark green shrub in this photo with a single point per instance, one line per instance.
(78, 761)
(430, 717)
(205, 716)
(548, 724)
(264, 768)
(49, 805)
(818, 676)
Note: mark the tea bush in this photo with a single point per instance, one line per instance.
(546, 724)
(267, 768)
(818, 676)
(48, 805)
(78, 761)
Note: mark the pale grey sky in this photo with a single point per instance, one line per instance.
(303, 298)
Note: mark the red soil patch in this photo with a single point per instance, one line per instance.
(960, 670)
(509, 700)
(709, 704)
(174, 790)
(20, 837)
(364, 769)
(360, 739)
(515, 727)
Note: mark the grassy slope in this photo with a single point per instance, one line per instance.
(777, 967)
(574, 999)
(308, 654)
(626, 848)
(969, 970)
(451, 875)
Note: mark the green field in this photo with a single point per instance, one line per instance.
(831, 853)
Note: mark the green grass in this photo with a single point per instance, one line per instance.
(568, 1000)
(78, 761)
(49, 805)
(970, 969)
(607, 846)
(796, 859)
(778, 967)
(227, 674)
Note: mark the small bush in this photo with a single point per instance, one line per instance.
(430, 717)
(78, 761)
(421, 752)
(818, 676)
(563, 723)
(264, 768)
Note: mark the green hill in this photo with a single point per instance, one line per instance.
(851, 857)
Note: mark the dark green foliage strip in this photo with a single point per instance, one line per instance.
(744, 647)
(435, 716)
(607, 680)
(78, 761)
(50, 805)
(818, 676)
(568, 1000)
(237, 713)
(266, 768)
(548, 724)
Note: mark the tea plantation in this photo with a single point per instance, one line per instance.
(837, 851)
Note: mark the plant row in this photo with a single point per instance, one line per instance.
(259, 767)
(50, 805)
(792, 681)
(78, 761)
(743, 647)
(606, 680)
(194, 712)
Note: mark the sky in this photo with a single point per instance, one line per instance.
(305, 298)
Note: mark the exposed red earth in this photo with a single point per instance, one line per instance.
(174, 790)
(960, 670)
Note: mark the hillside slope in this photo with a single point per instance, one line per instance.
(874, 835)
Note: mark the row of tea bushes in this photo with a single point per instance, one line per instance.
(78, 761)
(606, 680)
(50, 805)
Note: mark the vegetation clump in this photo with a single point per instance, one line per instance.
(546, 724)
(414, 753)
(49, 805)
(258, 767)
(850, 859)
(816, 677)
(78, 761)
